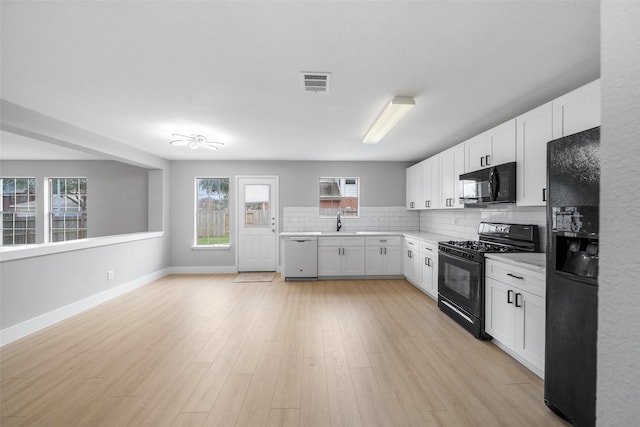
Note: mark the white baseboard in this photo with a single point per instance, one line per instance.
(30, 326)
(202, 270)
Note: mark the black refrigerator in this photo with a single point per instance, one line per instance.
(573, 186)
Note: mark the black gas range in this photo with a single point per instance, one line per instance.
(461, 270)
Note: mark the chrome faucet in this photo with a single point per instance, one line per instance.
(338, 222)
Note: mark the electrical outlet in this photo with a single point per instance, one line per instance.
(110, 275)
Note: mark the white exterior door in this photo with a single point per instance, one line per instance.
(257, 223)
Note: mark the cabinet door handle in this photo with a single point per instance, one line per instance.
(380, 251)
(481, 161)
(509, 296)
(486, 160)
(515, 277)
(385, 251)
(518, 304)
(544, 194)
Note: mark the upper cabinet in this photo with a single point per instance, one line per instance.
(434, 183)
(577, 111)
(414, 178)
(451, 167)
(534, 130)
(493, 147)
(430, 183)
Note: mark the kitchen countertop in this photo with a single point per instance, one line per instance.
(531, 261)
(429, 237)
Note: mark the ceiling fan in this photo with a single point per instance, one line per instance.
(194, 141)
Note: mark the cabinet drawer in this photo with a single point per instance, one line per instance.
(427, 248)
(341, 241)
(412, 243)
(384, 241)
(517, 277)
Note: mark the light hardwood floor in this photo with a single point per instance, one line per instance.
(203, 351)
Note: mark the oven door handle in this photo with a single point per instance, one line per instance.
(457, 260)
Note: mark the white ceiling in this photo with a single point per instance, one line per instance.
(138, 71)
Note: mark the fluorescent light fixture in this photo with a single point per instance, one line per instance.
(395, 110)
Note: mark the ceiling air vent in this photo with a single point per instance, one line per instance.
(315, 82)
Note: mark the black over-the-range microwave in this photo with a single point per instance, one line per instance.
(495, 184)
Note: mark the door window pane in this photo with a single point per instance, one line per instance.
(257, 205)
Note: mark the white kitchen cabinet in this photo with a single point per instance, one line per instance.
(411, 257)
(430, 187)
(341, 256)
(451, 167)
(383, 256)
(414, 179)
(493, 147)
(534, 130)
(515, 312)
(578, 110)
(429, 268)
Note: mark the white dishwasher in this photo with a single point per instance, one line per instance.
(301, 258)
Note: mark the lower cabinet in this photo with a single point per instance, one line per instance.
(411, 259)
(515, 312)
(341, 256)
(383, 256)
(429, 268)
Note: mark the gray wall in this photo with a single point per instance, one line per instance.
(34, 286)
(619, 293)
(117, 194)
(381, 184)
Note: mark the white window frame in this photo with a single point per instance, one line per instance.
(47, 215)
(343, 215)
(34, 211)
(196, 243)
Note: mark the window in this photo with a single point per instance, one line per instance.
(212, 212)
(18, 211)
(339, 195)
(257, 205)
(67, 209)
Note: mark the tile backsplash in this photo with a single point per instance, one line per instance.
(392, 218)
(458, 223)
(463, 223)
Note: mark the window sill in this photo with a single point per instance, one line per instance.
(211, 248)
(11, 253)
